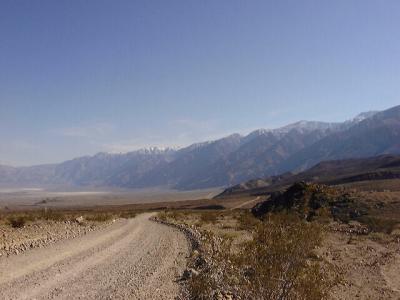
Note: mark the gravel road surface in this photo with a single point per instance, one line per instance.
(131, 259)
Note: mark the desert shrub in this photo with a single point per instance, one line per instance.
(51, 215)
(246, 220)
(278, 258)
(17, 221)
(208, 217)
(377, 224)
(214, 276)
(277, 263)
(211, 206)
(174, 215)
(98, 217)
(128, 214)
(162, 215)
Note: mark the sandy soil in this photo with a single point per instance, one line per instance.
(370, 265)
(130, 259)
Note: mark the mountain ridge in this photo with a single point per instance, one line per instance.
(226, 161)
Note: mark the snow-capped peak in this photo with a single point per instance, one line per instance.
(155, 150)
(362, 116)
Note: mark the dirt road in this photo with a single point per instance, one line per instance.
(131, 259)
(246, 203)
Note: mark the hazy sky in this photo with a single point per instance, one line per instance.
(79, 77)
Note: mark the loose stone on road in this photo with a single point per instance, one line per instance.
(130, 259)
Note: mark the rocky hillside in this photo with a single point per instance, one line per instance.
(313, 200)
(327, 172)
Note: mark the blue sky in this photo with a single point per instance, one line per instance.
(79, 77)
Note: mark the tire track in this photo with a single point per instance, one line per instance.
(131, 259)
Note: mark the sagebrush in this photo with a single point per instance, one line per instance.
(277, 263)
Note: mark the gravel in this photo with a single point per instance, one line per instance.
(14, 241)
(130, 259)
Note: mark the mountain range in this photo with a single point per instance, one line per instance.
(226, 161)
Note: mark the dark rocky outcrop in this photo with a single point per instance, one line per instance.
(308, 200)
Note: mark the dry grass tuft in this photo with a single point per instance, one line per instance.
(17, 221)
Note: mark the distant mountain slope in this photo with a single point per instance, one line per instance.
(35, 175)
(227, 161)
(113, 169)
(195, 159)
(260, 154)
(327, 172)
(265, 152)
(378, 134)
(102, 169)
